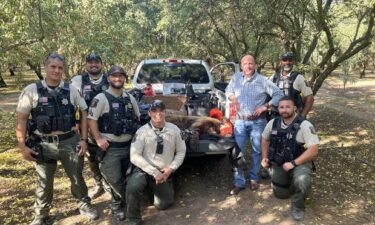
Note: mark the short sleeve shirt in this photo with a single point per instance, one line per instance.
(100, 106)
(306, 134)
(29, 97)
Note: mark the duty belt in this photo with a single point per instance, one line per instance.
(119, 144)
(57, 138)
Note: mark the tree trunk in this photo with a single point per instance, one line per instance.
(37, 69)
(2, 82)
(362, 69)
(11, 70)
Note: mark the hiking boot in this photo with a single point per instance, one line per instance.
(39, 220)
(253, 185)
(298, 214)
(96, 191)
(236, 190)
(89, 211)
(119, 214)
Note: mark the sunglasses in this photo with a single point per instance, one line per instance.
(56, 56)
(287, 59)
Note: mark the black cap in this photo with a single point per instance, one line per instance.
(287, 55)
(93, 57)
(116, 69)
(157, 104)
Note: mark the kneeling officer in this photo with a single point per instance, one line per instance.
(283, 142)
(52, 104)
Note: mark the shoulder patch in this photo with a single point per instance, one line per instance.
(307, 83)
(312, 129)
(94, 103)
(91, 113)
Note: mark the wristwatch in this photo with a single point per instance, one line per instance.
(293, 163)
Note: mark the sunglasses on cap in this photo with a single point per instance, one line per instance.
(56, 56)
(287, 59)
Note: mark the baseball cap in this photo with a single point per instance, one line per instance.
(287, 55)
(93, 57)
(116, 69)
(157, 104)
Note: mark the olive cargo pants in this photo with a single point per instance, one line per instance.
(63, 151)
(296, 182)
(139, 182)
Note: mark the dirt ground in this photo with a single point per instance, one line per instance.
(343, 185)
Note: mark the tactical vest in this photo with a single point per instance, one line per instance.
(54, 111)
(283, 144)
(90, 90)
(296, 95)
(120, 119)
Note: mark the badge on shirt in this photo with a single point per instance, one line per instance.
(94, 103)
(130, 106)
(87, 87)
(312, 129)
(115, 105)
(43, 100)
(65, 101)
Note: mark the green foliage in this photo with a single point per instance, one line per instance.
(323, 34)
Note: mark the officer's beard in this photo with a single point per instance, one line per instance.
(115, 86)
(287, 115)
(287, 68)
(94, 72)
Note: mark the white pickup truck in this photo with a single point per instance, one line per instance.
(189, 91)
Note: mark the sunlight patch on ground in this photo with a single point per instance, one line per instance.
(229, 202)
(268, 218)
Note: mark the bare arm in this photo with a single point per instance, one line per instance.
(309, 101)
(265, 145)
(306, 156)
(101, 142)
(21, 137)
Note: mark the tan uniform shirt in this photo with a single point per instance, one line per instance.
(299, 84)
(77, 82)
(306, 134)
(143, 149)
(29, 99)
(102, 106)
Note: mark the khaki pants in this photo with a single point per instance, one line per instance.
(139, 182)
(73, 166)
(296, 182)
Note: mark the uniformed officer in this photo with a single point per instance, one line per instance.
(283, 147)
(157, 151)
(52, 103)
(293, 84)
(89, 84)
(113, 120)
